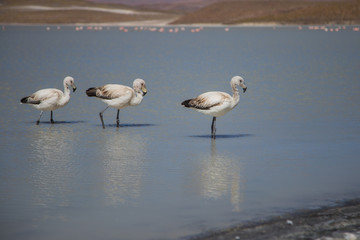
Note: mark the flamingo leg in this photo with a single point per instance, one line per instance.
(213, 128)
(101, 117)
(51, 117)
(38, 121)
(117, 118)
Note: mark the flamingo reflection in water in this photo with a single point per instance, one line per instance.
(52, 166)
(219, 176)
(124, 160)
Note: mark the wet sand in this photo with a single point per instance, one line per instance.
(329, 223)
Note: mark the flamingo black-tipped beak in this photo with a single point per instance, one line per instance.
(244, 89)
(144, 90)
(73, 87)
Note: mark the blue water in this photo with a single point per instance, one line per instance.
(291, 143)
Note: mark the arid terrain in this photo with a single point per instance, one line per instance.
(283, 12)
(186, 12)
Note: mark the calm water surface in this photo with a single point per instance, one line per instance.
(291, 143)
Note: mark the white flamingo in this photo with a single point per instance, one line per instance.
(217, 104)
(119, 96)
(50, 99)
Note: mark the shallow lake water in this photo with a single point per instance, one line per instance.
(291, 143)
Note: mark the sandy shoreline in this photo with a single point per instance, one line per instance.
(329, 223)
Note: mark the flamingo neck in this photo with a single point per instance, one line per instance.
(236, 95)
(137, 98)
(66, 96)
(66, 90)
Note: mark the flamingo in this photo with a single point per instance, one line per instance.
(119, 96)
(217, 104)
(50, 99)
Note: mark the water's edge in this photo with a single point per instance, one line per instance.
(339, 221)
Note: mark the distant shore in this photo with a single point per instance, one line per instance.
(223, 13)
(340, 222)
(166, 23)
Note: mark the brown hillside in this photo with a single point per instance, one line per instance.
(62, 17)
(297, 12)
